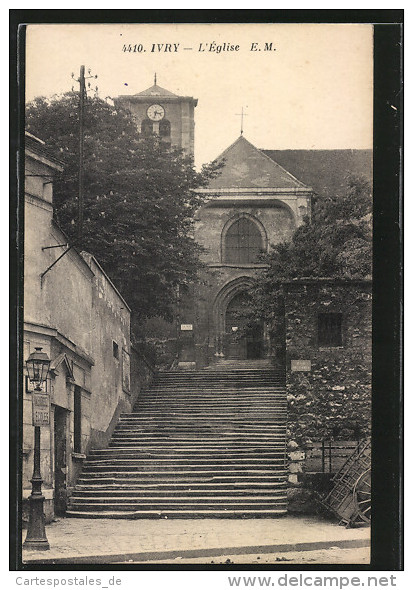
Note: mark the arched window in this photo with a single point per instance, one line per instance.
(243, 242)
(146, 127)
(165, 128)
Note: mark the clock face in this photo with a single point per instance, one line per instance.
(155, 112)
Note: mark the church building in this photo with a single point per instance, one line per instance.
(259, 198)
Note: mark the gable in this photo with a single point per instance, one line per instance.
(155, 90)
(61, 360)
(248, 167)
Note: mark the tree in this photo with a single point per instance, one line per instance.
(139, 198)
(335, 243)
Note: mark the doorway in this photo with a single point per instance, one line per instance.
(244, 339)
(60, 463)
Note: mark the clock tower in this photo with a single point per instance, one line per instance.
(159, 111)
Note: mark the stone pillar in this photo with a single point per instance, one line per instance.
(296, 458)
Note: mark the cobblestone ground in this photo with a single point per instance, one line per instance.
(77, 538)
(333, 556)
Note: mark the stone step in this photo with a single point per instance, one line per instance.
(199, 476)
(195, 498)
(238, 415)
(203, 444)
(273, 445)
(198, 395)
(200, 452)
(192, 435)
(175, 399)
(201, 407)
(194, 423)
(168, 432)
(116, 462)
(184, 514)
(182, 504)
(219, 377)
(211, 374)
(196, 439)
(225, 384)
(191, 431)
(228, 388)
(204, 405)
(175, 418)
(176, 467)
(213, 437)
(97, 491)
(225, 388)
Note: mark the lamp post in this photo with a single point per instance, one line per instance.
(37, 367)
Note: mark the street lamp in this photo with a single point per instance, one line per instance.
(37, 367)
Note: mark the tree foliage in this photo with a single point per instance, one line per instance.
(139, 198)
(335, 243)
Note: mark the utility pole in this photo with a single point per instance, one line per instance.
(82, 96)
(82, 92)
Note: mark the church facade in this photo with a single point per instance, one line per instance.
(251, 205)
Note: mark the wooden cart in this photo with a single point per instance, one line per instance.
(350, 498)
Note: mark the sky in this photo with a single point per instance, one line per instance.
(301, 86)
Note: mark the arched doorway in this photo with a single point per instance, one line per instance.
(244, 338)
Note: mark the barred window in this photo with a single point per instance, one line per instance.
(330, 329)
(243, 242)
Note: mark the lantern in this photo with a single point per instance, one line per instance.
(38, 366)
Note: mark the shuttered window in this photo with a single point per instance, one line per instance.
(147, 127)
(164, 128)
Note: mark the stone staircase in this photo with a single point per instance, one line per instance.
(207, 443)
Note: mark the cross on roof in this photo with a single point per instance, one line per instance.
(242, 115)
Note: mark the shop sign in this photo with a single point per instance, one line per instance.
(41, 409)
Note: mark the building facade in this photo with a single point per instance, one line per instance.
(74, 312)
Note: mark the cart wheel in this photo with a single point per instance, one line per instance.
(362, 497)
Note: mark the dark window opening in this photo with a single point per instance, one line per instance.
(330, 329)
(115, 348)
(165, 128)
(77, 419)
(243, 242)
(147, 127)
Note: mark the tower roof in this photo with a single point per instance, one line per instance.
(155, 90)
(248, 167)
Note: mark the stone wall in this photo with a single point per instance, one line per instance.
(328, 387)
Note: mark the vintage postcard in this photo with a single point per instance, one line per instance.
(197, 330)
